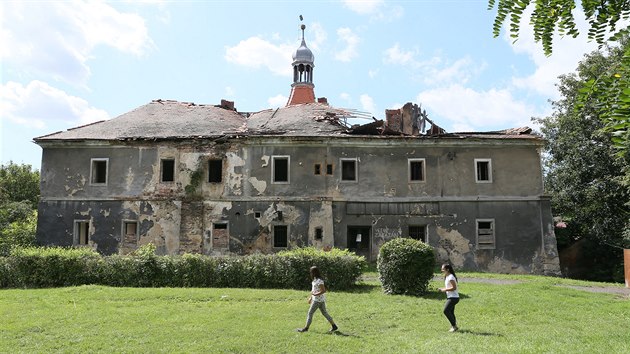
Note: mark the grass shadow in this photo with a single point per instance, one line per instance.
(361, 288)
(339, 333)
(483, 334)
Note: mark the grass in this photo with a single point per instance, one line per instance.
(532, 316)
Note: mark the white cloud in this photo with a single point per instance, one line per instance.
(567, 52)
(372, 73)
(367, 104)
(477, 110)
(229, 91)
(378, 10)
(435, 70)
(351, 41)
(364, 7)
(57, 38)
(277, 101)
(395, 55)
(38, 104)
(256, 52)
(315, 36)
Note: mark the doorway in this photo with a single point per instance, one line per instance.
(359, 240)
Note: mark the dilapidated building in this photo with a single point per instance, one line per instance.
(209, 179)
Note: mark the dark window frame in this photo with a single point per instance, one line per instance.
(99, 171)
(344, 170)
(215, 173)
(483, 170)
(280, 243)
(413, 170)
(275, 165)
(167, 170)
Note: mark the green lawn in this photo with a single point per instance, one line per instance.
(532, 316)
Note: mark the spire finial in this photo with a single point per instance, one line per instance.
(303, 26)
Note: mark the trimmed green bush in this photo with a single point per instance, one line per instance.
(405, 266)
(54, 266)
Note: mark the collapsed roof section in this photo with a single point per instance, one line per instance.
(173, 120)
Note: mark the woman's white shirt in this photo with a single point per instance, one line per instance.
(447, 284)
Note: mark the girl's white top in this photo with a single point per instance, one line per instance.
(315, 289)
(447, 284)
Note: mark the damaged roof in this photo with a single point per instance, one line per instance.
(168, 119)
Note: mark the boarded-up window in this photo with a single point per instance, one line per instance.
(416, 170)
(220, 235)
(280, 166)
(168, 170)
(418, 232)
(98, 171)
(280, 236)
(81, 232)
(130, 230)
(485, 234)
(483, 170)
(349, 170)
(215, 171)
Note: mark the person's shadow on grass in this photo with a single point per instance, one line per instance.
(475, 333)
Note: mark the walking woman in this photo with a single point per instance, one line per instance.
(317, 299)
(452, 295)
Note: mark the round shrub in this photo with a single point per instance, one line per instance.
(405, 266)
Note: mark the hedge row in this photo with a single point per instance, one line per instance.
(54, 267)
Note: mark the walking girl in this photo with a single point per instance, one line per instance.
(452, 295)
(317, 299)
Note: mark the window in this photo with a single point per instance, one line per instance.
(318, 169)
(81, 232)
(319, 233)
(329, 169)
(418, 232)
(280, 236)
(257, 215)
(130, 229)
(483, 170)
(485, 234)
(280, 169)
(349, 170)
(215, 171)
(98, 171)
(168, 170)
(416, 170)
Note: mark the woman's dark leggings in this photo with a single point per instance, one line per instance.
(449, 310)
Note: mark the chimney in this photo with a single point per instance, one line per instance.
(323, 100)
(393, 119)
(227, 105)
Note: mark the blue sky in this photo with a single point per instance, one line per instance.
(69, 63)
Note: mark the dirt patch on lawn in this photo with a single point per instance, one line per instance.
(625, 292)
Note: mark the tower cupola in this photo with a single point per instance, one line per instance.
(302, 89)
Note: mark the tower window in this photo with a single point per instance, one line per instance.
(280, 236)
(416, 170)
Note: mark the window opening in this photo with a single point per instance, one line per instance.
(485, 234)
(168, 170)
(329, 169)
(280, 236)
(418, 232)
(349, 170)
(130, 230)
(318, 169)
(215, 171)
(483, 169)
(99, 171)
(280, 169)
(81, 232)
(319, 233)
(416, 170)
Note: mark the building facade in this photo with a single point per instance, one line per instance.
(209, 179)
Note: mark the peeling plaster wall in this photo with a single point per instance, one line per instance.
(246, 204)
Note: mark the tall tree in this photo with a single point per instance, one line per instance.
(584, 175)
(609, 92)
(19, 195)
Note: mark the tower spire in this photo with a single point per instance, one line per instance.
(302, 89)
